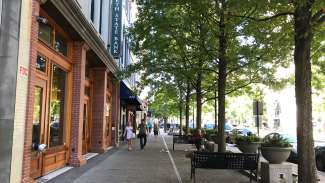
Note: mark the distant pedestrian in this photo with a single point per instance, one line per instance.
(128, 134)
(143, 134)
(149, 126)
(155, 129)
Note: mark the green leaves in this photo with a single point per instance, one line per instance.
(275, 140)
(247, 138)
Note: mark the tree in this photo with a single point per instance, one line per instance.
(209, 45)
(308, 17)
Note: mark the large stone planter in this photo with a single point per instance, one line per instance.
(248, 147)
(276, 155)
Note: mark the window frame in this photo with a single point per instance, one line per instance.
(56, 29)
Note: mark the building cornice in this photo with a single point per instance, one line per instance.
(72, 12)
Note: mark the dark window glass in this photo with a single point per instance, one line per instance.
(92, 13)
(100, 17)
(57, 106)
(87, 91)
(41, 63)
(87, 72)
(45, 33)
(37, 117)
(60, 44)
(85, 118)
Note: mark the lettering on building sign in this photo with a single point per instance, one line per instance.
(23, 71)
(116, 28)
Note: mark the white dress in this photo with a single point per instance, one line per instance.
(129, 132)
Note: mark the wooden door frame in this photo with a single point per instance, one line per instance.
(41, 83)
(52, 58)
(108, 139)
(88, 126)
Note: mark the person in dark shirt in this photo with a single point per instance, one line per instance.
(197, 139)
(155, 129)
(143, 130)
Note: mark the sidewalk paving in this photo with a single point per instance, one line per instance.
(151, 165)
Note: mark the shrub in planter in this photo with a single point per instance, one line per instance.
(209, 134)
(248, 143)
(275, 148)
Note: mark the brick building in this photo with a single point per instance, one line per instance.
(66, 97)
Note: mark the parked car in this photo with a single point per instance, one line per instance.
(241, 131)
(209, 126)
(319, 152)
(228, 127)
(320, 157)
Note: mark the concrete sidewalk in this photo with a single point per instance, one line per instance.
(154, 164)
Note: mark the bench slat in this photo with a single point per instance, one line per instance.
(225, 160)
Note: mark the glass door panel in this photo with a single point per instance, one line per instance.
(85, 128)
(38, 127)
(108, 120)
(57, 106)
(36, 135)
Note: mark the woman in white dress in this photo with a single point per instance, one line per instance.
(128, 134)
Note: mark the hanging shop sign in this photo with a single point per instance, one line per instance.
(116, 28)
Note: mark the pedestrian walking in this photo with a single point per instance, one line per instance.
(155, 129)
(149, 124)
(129, 135)
(143, 134)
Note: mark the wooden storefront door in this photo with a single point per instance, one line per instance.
(108, 121)
(86, 127)
(39, 123)
(50, 117)
(52, 98)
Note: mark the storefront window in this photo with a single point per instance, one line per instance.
(45, 33)
(37, 117)
(41, 63)
(48, 34)
(57, 106)
(60, 44)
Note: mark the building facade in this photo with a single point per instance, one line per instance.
(60, 96)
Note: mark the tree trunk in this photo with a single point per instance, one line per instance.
(187, 107)
(303, 37)
(198, 100)
(165, 124)
(180, 116)
(222, 79)
(215, 109)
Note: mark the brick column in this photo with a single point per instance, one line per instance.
(78, 90)
(30, 96)
(98, 110)
(115, 111)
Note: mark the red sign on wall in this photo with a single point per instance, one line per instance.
(23, 71)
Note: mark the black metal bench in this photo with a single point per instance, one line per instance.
(181, 139)
(214, 160)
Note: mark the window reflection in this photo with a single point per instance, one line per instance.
(37, 117)
(41, 63)
(45, 33)
(60, 44)
(57, 106)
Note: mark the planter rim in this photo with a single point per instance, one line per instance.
(244, 142)
(274, 147)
